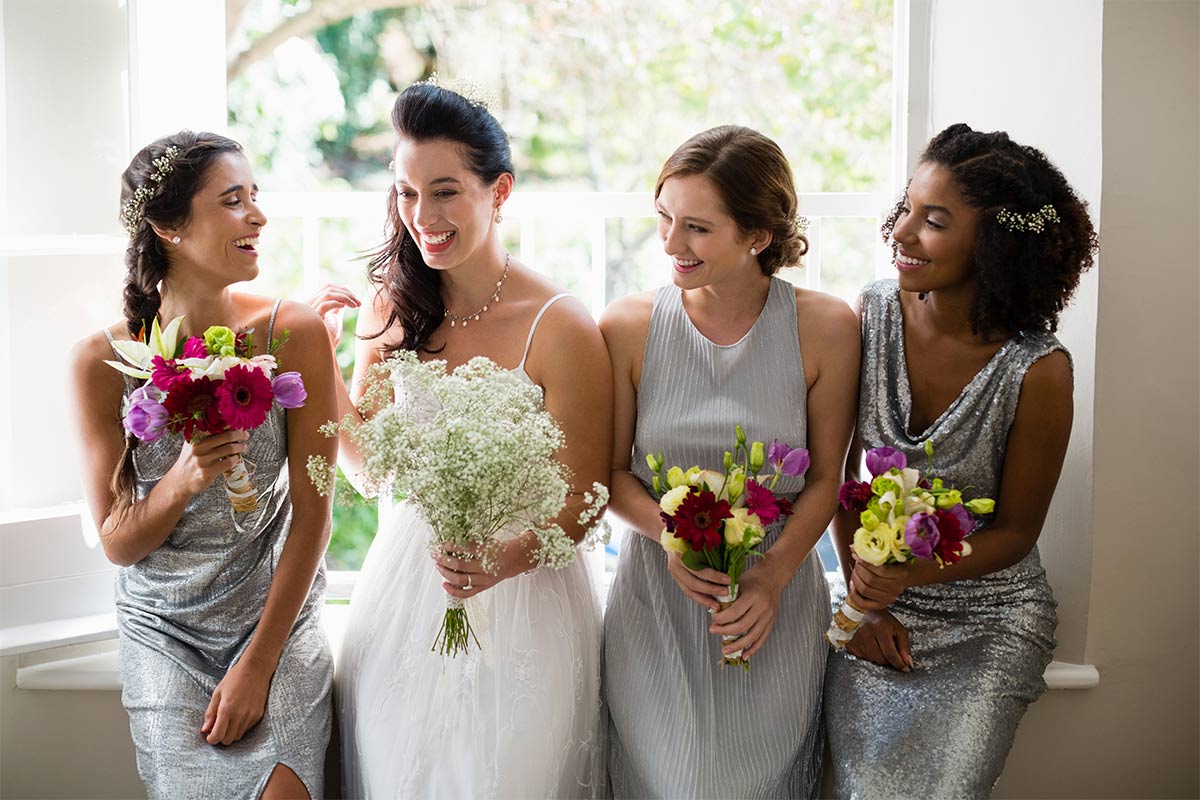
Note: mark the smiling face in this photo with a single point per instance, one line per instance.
(221, 235)
(446, 208)
(934, 235)
(703, 241)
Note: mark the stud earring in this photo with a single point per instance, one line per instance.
(753, 251)
(499, 217)
(175, 240)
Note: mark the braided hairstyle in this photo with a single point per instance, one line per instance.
(754, 181)
(166, 201)
(425, 112)
(1024, 278)
(169, 205)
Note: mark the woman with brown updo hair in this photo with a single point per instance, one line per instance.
(726, 343)
(225, 670)
(989, 242)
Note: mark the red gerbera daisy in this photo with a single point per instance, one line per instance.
(191, 406)
(244, 397)
(698, 520)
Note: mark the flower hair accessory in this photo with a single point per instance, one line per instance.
(801, 223)
(135, 207)
(471, 91)
(1033, 222)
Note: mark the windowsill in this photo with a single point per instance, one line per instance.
(98, 670)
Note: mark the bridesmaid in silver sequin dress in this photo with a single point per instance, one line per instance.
(225, 670)
(989, 242)
(725, 344)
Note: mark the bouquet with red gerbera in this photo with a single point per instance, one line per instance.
(201, 386)
(715, 519)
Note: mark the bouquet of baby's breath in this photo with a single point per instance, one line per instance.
(473, 449)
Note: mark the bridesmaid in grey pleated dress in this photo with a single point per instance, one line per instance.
(225, 670)
(725, 344)
(989, 242)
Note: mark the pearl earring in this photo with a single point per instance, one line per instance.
(753, 251)
(499, 217)
(175, 240)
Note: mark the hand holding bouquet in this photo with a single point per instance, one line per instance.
(715, 519)
(904, 516)
(473, 449)
(203, 386)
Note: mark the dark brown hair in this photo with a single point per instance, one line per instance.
(754, 181)
(1024, 278)
(424, 112)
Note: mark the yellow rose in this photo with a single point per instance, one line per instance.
(671, 500)
(742, 522)
(871, 547)
(894, 535)
(672, 543)
(675, 477)
(981, 505)
(950, 499)
(736, 485)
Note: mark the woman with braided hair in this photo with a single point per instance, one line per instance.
(226, 673)
(989, 242)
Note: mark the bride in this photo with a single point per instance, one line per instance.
(520, 715)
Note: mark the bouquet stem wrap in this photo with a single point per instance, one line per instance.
(242, 494)
(845, 622)
(734, 659)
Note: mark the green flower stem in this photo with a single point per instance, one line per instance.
(455, 635)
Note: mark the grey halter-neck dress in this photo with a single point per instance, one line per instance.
(979, 646)
(680, 725)
(186, 613)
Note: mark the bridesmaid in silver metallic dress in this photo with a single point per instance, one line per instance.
(725, 344)
(989, 242)
(226, 672)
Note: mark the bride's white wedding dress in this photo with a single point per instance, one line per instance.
(519, 717)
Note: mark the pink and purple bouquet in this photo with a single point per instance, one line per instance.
(904, 516)
(715, 519)
(202, 386)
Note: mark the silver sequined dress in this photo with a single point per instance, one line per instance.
(979, 646)
(187, 611)
(680, 725)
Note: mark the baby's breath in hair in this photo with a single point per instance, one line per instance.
(1032, 222)
(135, 207)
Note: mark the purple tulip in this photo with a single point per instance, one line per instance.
(289, 390)
(881, 459)
(922, 534)
(966, 522)
(146, 417)
(787, 459)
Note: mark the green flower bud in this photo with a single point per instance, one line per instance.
(757, 457)
(728, 460)
(929, 447)
(741, 434)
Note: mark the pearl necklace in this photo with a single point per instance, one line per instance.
(465, 320)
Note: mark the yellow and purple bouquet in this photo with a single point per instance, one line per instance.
(715, 519)
(904, 516)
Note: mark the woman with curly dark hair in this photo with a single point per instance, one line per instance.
(989, 242)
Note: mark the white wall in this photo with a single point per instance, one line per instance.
(1137, 734)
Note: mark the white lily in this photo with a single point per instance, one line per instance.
(140, 354)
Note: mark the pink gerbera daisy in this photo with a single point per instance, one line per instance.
(244, 397)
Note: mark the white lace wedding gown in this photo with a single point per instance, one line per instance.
(518, 717)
